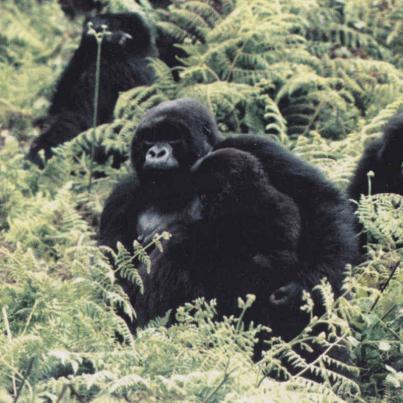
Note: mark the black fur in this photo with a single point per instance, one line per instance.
(327, 238)
(384, 157)
(249, 217)
(124, 65)
(251, 249)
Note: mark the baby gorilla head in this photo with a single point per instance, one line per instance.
(125, 31)
(170, 139)
(227, 172)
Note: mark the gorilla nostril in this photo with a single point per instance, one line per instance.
(160, 156)
(279, 297)
(278, 294)
(162, 153)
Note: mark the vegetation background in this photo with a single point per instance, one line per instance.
(320, 76)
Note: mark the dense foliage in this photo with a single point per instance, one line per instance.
(320, 76)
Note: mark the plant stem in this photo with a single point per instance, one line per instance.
(383, 288)
(95, 114)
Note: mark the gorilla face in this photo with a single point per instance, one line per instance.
(170, 139)
(127, 31)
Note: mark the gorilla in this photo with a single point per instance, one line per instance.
(168, 141)
(384, 157)
(246, 216)
(124, 65)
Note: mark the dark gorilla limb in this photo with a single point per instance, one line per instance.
(124, 65)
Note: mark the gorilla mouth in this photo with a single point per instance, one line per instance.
(163, 175)
(161, 167)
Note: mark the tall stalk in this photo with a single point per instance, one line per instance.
(99, 36)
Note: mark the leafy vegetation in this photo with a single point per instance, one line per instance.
(320, 76)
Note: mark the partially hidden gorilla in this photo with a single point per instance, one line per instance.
(124, 65)
(246, 216)
(384, 157)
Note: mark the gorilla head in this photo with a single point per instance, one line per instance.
(230, 176)
(384, 157)
(170, 139)
(128, 32)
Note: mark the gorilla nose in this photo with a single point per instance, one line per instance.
(158, 153)
(160, 156)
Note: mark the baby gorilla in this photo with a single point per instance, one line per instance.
(124, 65)
(254, 231)
(384, 157)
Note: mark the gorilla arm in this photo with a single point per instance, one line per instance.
(118, 219)
(80, 61)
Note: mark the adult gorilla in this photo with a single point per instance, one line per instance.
(124, 64)
(249, 217)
